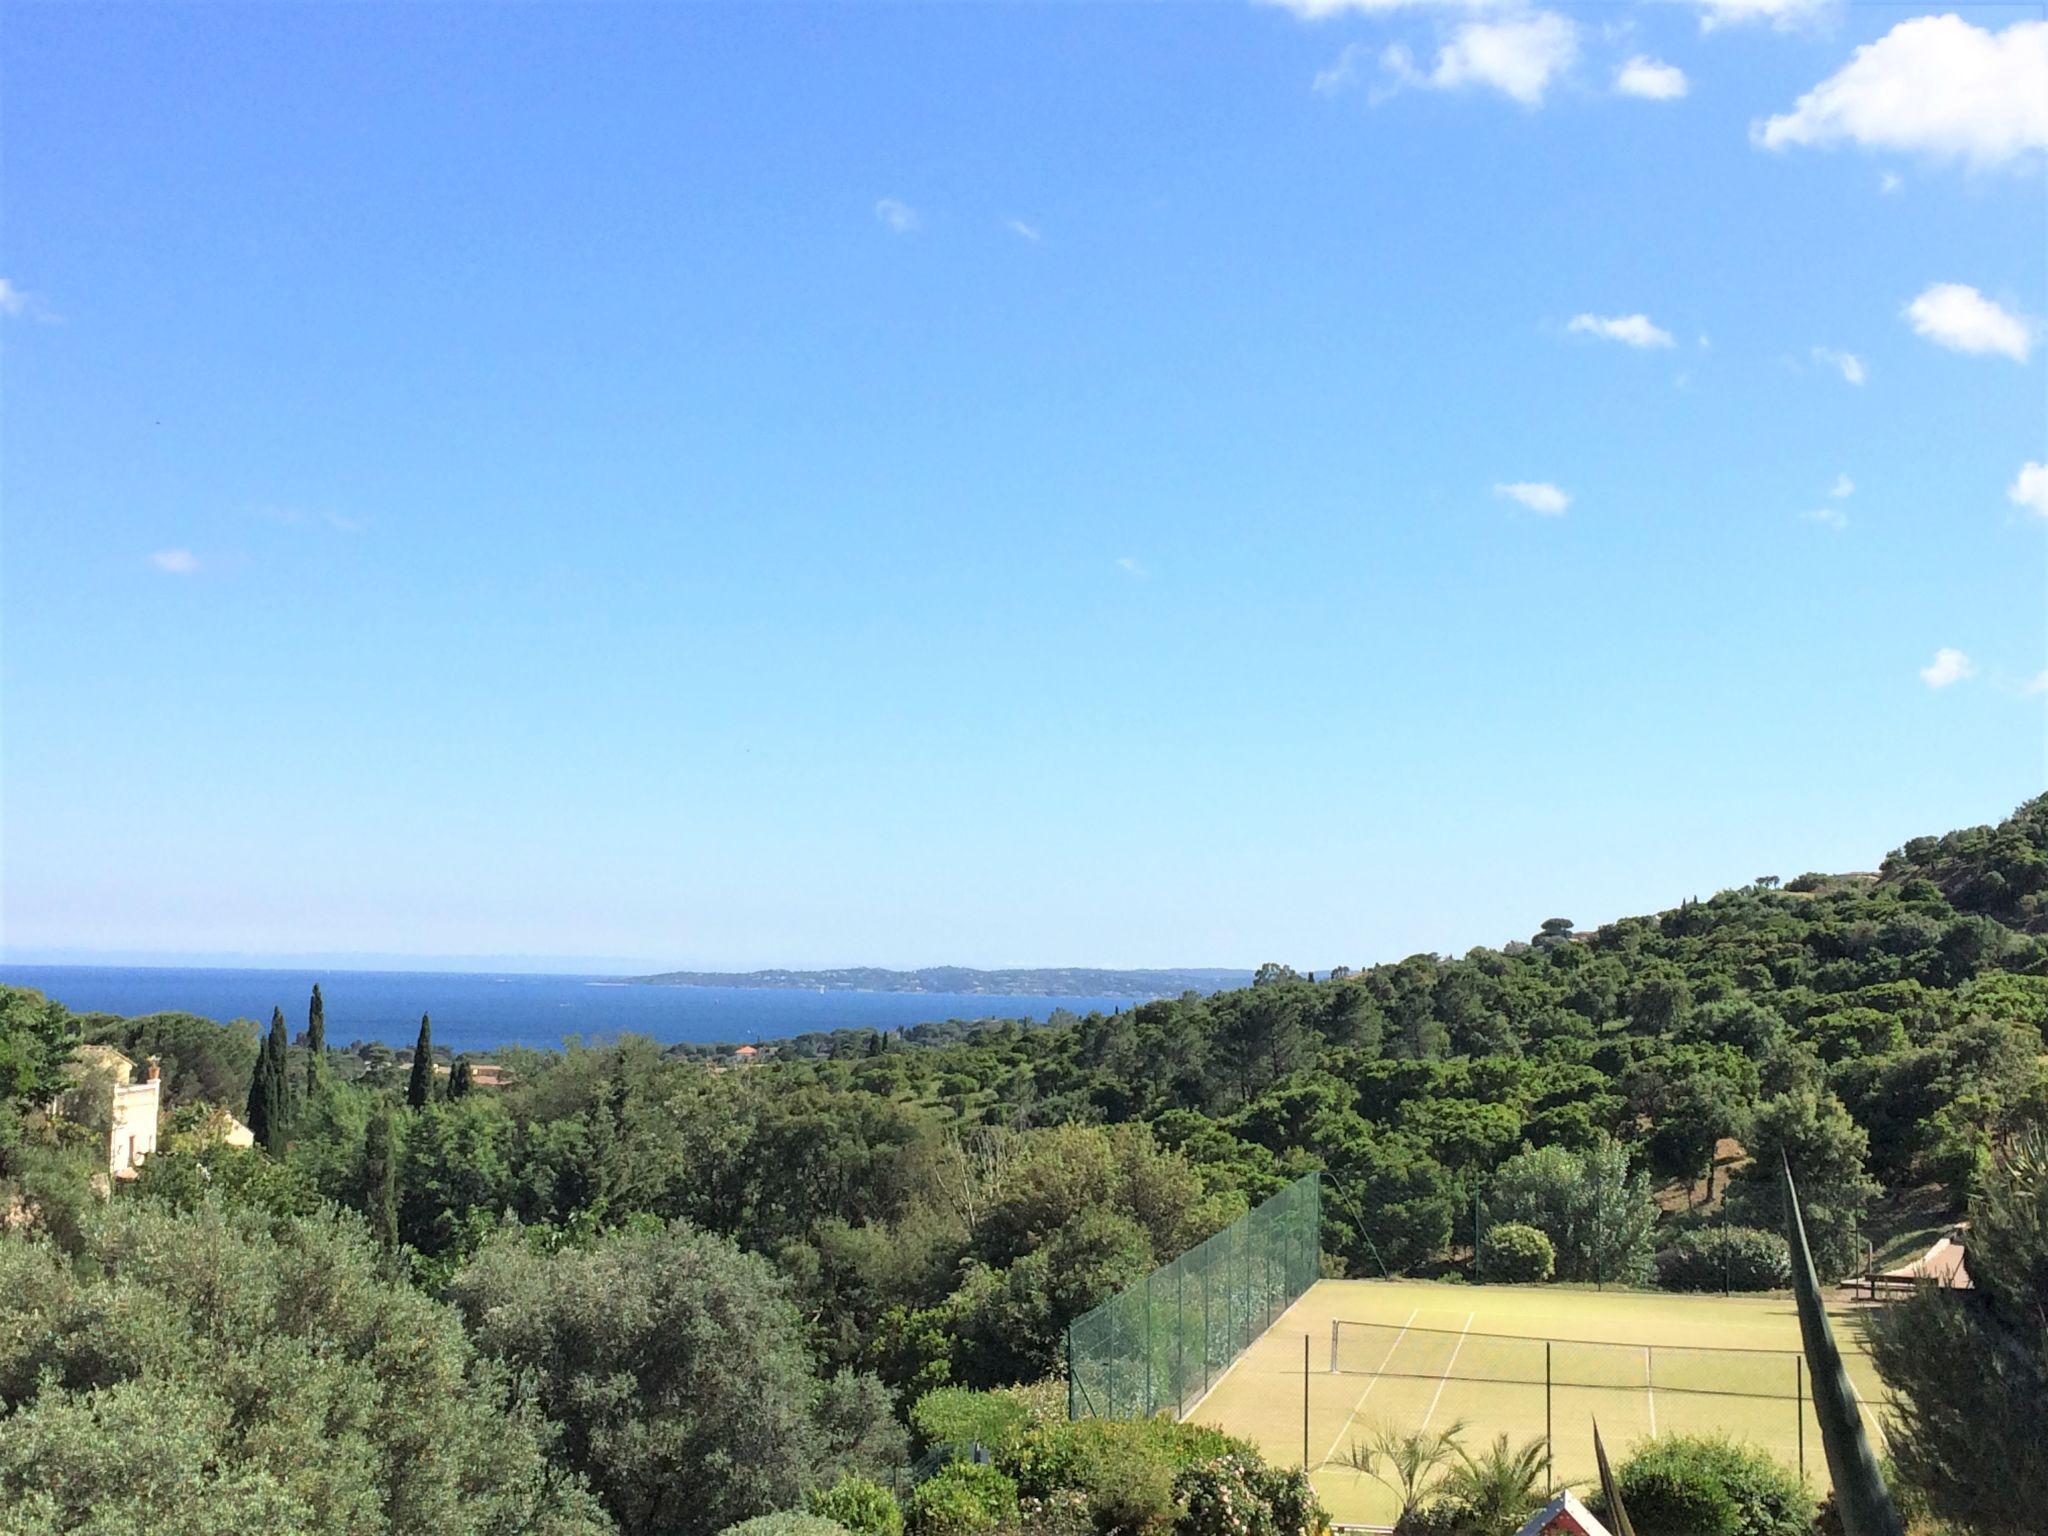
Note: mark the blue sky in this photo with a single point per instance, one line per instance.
(1005, 484)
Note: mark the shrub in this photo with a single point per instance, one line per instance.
(965, 1498)
(1123, 1468)
(864, 1508)
(1239, 1495)
(960, 1416)
(1741, 1258)
(1684, 1485)
(788, 1522)
(1515, 1252)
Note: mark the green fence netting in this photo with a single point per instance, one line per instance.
(1157, 1346)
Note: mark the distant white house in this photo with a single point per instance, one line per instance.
(134, 1111)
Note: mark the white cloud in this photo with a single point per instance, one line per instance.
(1631, 330)
(2029, 488)
(1651, 79)
(1318, 10)
(1341, 73)
(1022, 230)
(1518, 57)
(1828, 517)
(1888, 183)
(901, 218)
(1934, 85)
(175, 562)
(1948, 667)
(1131, 566)
(12, 300)
(2038, 683)
(1848, 364)
(1957, 316)
(1843, 488)
(1785, 15)
(1536, 495)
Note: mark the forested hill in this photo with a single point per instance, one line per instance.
(1069, 981)
(886, 1217)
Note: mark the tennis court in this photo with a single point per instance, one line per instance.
(1351, 1355)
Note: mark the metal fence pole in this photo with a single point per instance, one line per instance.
(1304, 1405)
(1150, 1399)
(1799, 1400)
(1180, 1339)
(1549, 1446)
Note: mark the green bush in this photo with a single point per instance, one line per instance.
(1239, 1495)
(788, 1522)
(1685, 1485)
(864, 1508)
(965, 1498)
(1123, 1468)
(1513, 1252)
(1741, 1258)
(959, 1416)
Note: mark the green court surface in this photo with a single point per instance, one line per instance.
(1352, 1355)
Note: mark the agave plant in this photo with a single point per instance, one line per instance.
(1610, 1490)
(1860, 1494)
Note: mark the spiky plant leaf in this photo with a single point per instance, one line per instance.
(1860, 1493)
(1610, 1490)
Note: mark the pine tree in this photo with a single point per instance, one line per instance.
(420, 1087)
(380, 1179)
(270, 1088)
(459, 1079)
(316, 1039)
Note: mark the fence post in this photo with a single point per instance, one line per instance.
(1206, 1325)
(1071, 1383)
(1549, 1448)
(1304, 1404)
(1799, 1401)
(1180, 1333)
(1149, 1399)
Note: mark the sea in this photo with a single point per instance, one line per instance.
(479, 1012)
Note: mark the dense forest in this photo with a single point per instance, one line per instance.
(668, 1291)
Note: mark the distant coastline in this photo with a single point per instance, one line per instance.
(964, 981)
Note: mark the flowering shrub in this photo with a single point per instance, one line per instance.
(1239, 1495)
(1123, 1468)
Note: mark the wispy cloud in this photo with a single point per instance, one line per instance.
(1949, 667)
(1934, 86)
(1843, 488)
(1022, 230)
(1890, 183)
(898, 215)
(1520, 56)
(1131, 566)
(175, 562)
(17, 303)
(1537, 495)
(2038, 683)
(1958, 317)
(1832, 518)
(1630, 330)
(1342, 72)
(2029, 488)
(1651, 79)
(1847, 364)
(1785, 15)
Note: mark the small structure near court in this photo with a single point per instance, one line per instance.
(1564, 1516)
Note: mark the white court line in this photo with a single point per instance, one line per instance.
(1649, 1387)
(1869, 1414)
(1445, 1379)
(1341, 1433)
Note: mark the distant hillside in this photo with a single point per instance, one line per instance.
(1069, 981)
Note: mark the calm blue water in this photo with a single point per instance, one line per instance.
(477, 1012)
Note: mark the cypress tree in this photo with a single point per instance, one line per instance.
(459, 1079)
(316, 1039)
(270, 1089)
(420, 1087)
(380, 1178)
